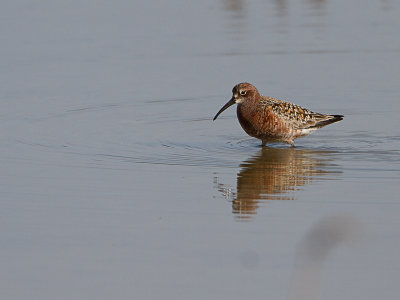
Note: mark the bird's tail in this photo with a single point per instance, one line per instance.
(328, 119)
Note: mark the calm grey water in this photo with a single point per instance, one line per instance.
(116, 184)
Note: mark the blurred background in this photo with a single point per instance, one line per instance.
(115, 183)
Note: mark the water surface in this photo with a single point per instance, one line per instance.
(117, 184)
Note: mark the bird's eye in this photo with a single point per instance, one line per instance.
(242, 92)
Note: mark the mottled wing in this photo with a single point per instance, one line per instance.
(298, 117)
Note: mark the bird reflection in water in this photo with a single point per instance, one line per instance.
(274, 174)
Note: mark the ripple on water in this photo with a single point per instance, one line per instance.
(179, 132)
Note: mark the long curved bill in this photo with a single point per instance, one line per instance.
(229, 103)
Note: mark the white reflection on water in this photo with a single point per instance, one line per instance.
(313, 250)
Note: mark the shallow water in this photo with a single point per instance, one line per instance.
(116, 183)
